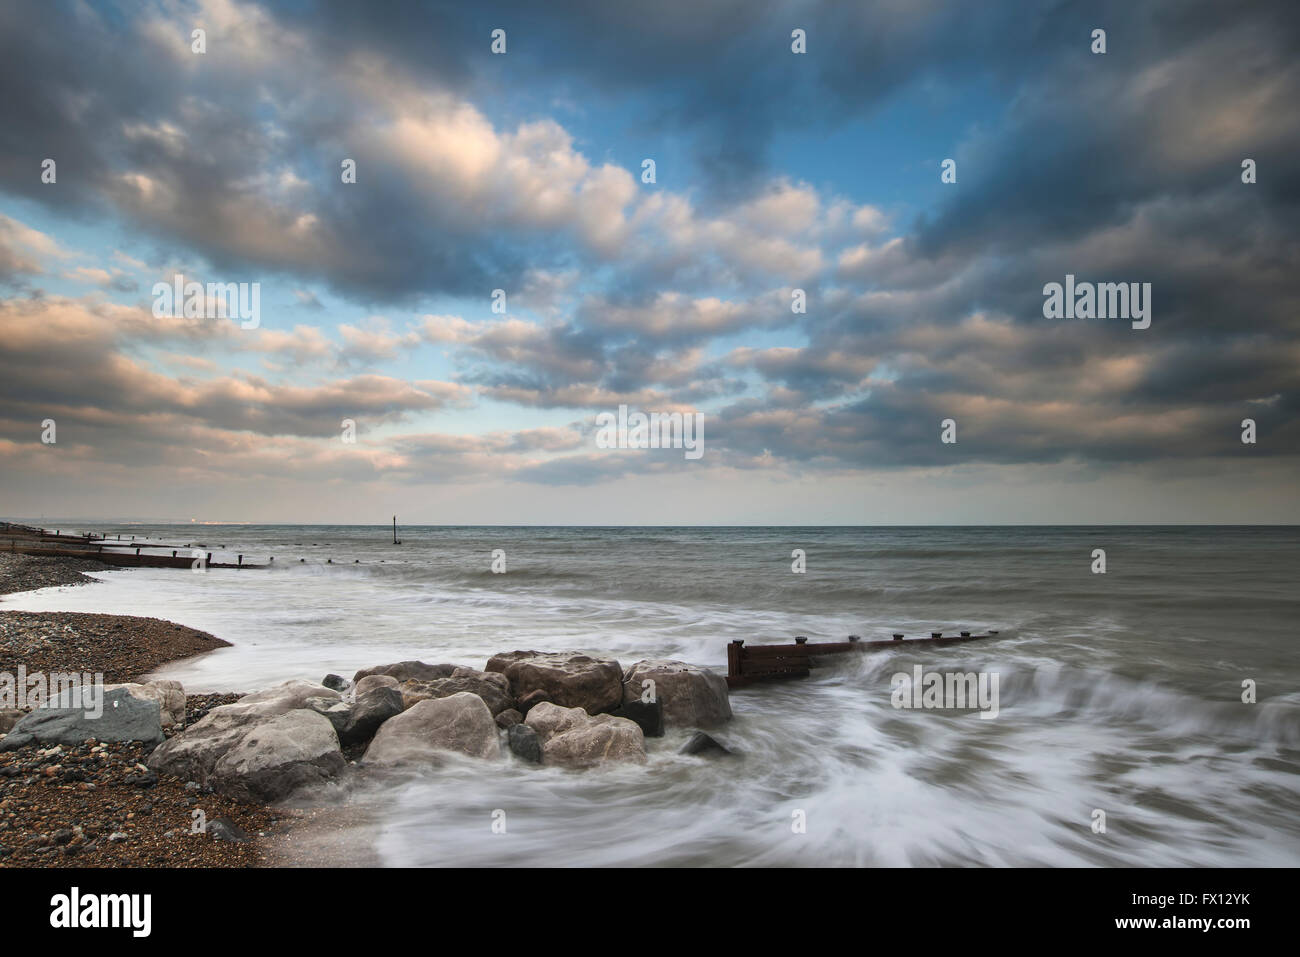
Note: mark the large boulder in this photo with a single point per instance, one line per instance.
(192, 755)
(459, 723)
(573, 738)
(72, 718)
(492, 687)
(405, 670)
(568, 680)
(691, 696)
(279, 755)
(169, 695)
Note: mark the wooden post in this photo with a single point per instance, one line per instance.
(735, 651)
(241, 561)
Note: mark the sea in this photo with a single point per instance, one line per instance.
(1148, 708)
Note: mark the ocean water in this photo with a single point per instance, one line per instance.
(1118, 692)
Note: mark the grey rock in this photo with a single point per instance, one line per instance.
(289, 696)
(524, 743)
(337, 713)
(124, 718)
(649, 716)
(336, 683)
(169, 695)
(703, 745)
(369, 711)
(278, 756)
(224, 829)
(192, 755)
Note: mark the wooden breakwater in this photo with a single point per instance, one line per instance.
(749, 663)
(26, 540)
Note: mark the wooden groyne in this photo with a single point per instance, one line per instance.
(25, 540)
(749, 663)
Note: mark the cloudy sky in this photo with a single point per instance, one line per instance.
(774, 172)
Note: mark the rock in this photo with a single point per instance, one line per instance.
(141, 779)
(192, 755)
(406, 670)
(338, 713)
(279, 755)
(459, 723)
(572, 738)
(169, 695)
(701, 744)
(368, 712)
(569, 680)
(8, 718)
(509, 718)
(124, 718)
(493, 688)
(532, 700)
(336, 683)
(524, 743)
(289, 696)
(371, 682)
(649, 716)
(224, 829)
(691, 696)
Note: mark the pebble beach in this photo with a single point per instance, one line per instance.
(97, 804)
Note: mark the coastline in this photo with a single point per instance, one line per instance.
(97, 804)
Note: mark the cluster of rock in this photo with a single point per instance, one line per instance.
(558, 709)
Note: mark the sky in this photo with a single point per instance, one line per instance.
(917, 177)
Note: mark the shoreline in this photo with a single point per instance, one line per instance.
(96, 804)
(215, 780)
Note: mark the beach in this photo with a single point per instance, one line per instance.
(92, 805)
(1119, 692)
